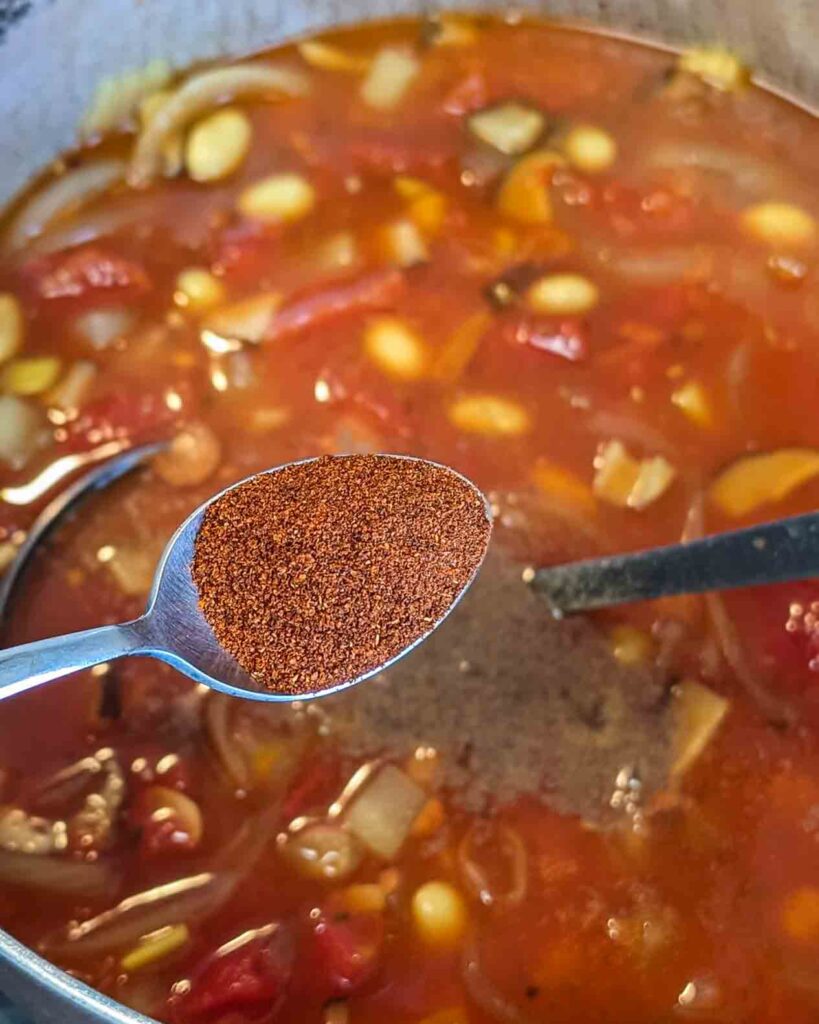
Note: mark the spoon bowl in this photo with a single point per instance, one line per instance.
(174, 630)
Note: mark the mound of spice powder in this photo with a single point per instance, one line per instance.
(316, 573)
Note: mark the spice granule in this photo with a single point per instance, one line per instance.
(316, 573)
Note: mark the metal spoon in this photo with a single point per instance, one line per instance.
(787, 549)
(172, 630)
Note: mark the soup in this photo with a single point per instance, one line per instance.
(581, 272)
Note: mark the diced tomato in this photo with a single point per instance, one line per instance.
(244, 252)
(379, 289)
(88, 271)
(566, 338)
(250, 976)
(469, 94)
(134, 415)
(347, 949)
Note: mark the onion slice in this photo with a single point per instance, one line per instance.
(58, 875)
(61, 197)
(198, 95)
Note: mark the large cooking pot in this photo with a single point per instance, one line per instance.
(53, 52)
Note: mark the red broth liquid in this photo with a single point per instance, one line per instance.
(695, 345)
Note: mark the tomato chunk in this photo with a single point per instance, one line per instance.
(377, 290)
(121, 415)
(347, 948)
(89, 271)
(251, 974)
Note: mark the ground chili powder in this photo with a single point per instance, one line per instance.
(323, 570)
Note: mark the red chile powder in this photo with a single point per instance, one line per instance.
(318, 572)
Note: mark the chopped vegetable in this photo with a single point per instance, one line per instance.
(63, 196)
(524, 192)
(249, 975)
(430, 818)
(338, 252)
(511, 128)
(627, 482)
(453, 30)
(155, 946)
(716, 66)
(762, 479)
(698, 713)
(348, 948)
(390, 75)
(382, 812)
(461, 347)
(74, 878)
(426, 206)
(327, 57)
(20, 430)
(631, 646)
(116, 98)
(30, 376)
(439, 914)
(195, 97)
(562, 295)
(173, 151)
(247, 320)
(494, 864)
(365, 898)
(11, 326)
(395, 348)
(692, 400)
(800, 914)
(24, 833)
(779, 224)
(192, 457)
(376, 290)
(88, 270)
(589, 149)
(491, 415)
(169, 821)
(326, 852)
(197, 289)
(564, 487)
(405, 243)
(100, 328)
(71, 392)
(217, 145)
(279, 199)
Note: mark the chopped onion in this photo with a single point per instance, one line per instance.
(60, 198)
(195, 97)
(186, 899)
(21, 430)
(71, 392)
(698, 713)
(626, 482)
(381, 815)
(117, 98)
(244, 321)
(511, 128)
(742, 176)
(484, 993)
(490, 839)
(391, 73)
(100, 328)
(58, 875)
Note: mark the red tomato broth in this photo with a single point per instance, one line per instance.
(686, 915)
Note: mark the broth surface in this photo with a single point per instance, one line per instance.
(582, 273)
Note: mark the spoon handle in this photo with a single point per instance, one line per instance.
(787, 549)
(28, 665)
